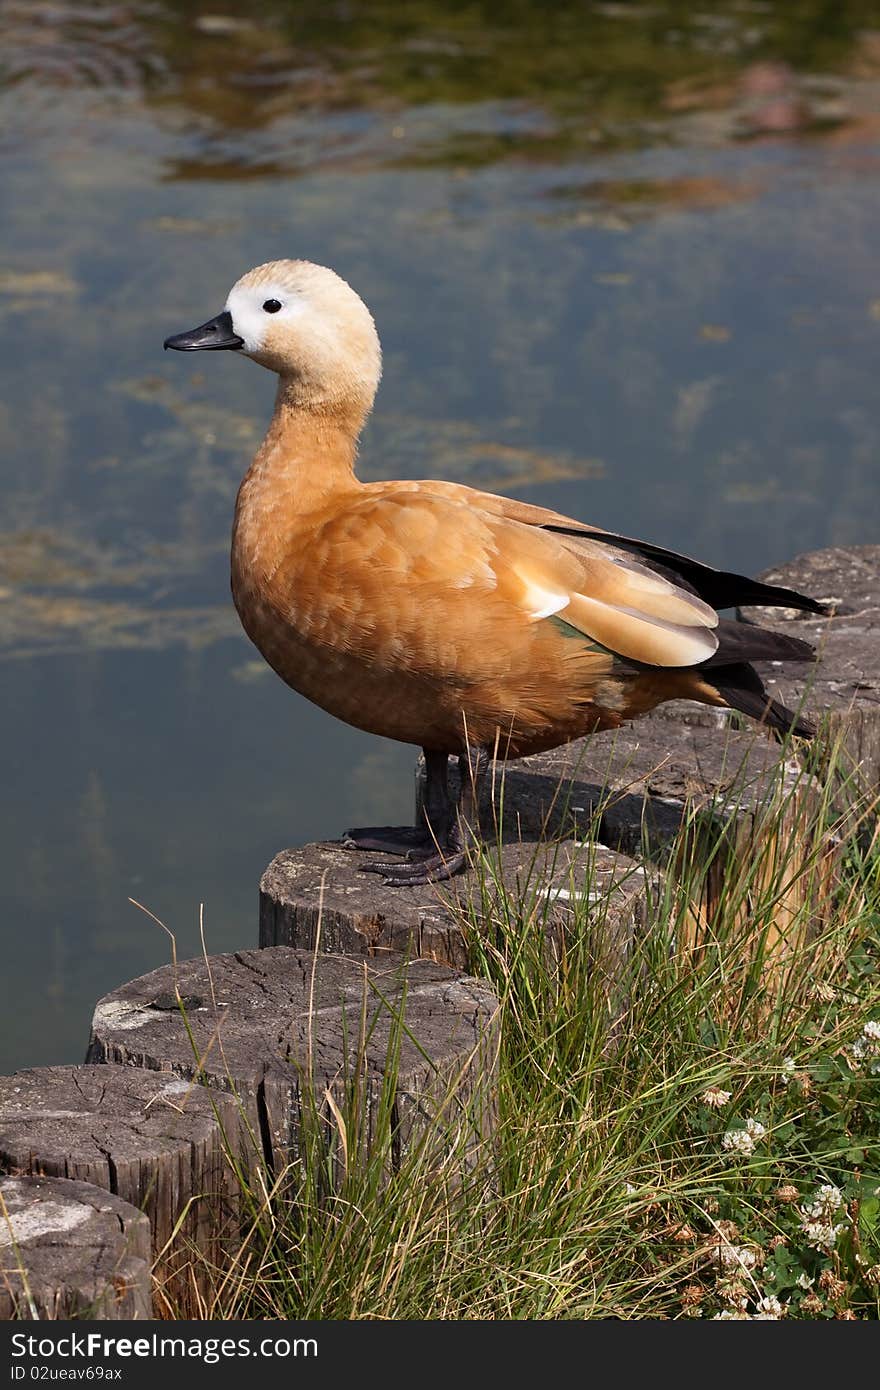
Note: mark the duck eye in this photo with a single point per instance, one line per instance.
(272, 306)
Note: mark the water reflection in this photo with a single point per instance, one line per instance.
(623, 261)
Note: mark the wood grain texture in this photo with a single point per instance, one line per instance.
(160, 1143)
(283, 1028)
(71, 1250)
(638, 789)
(316, 896)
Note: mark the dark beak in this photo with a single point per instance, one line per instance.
(211, 336)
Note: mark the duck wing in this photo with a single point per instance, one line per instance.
(720, 588)
(624, 606)
(423, 565)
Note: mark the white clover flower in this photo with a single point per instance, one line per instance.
(743, 1141)
(788, 1069)
(769, 1307)
(738, 1141)
(727, 1313)
(715, 1098)
(818, 1217)
(630, 1189)
(866, 1047)
(824, 1204)
(736, 1256)
(804, 1281)
(821, 1235)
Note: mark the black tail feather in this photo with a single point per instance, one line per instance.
(742, 689)
(720, 588)
(741, 642)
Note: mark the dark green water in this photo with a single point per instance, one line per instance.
(624, 262)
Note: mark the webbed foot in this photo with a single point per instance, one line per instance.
(429, 857)
(433, 868)
(409, 840)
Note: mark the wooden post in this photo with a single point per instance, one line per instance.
(161, 1143)
(71, 1250)
(708, 793)
(295, 1036)
(318, 894)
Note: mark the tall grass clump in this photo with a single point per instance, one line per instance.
(690, 1127)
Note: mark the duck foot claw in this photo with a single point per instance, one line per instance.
(436, 868)
(432, 854)
(390, 839)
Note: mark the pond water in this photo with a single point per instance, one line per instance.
(623, 260)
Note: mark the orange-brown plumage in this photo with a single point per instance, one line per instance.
(403, 611)
(430, 612)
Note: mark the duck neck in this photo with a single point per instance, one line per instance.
(304, 466)
(309, 451)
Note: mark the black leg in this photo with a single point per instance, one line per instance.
(437, 808)
(418, 841)
(452, 857)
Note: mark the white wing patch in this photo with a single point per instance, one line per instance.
(543, 603)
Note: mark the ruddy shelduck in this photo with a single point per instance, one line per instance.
(469, 624)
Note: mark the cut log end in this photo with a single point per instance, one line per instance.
(71, 1250)
(843, 688)
(317, 897)
(158, 1142)
(280, 1029)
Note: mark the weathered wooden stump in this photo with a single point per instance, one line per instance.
(163, 1144)
(714, 805)
(717, 806)
(631, 789)
(318, 896)
(404, 1053)
(71, 1250)
(710, 802)
(843, 689)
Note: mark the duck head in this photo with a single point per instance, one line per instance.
(303, 322)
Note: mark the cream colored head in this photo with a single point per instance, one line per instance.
(305, 323)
